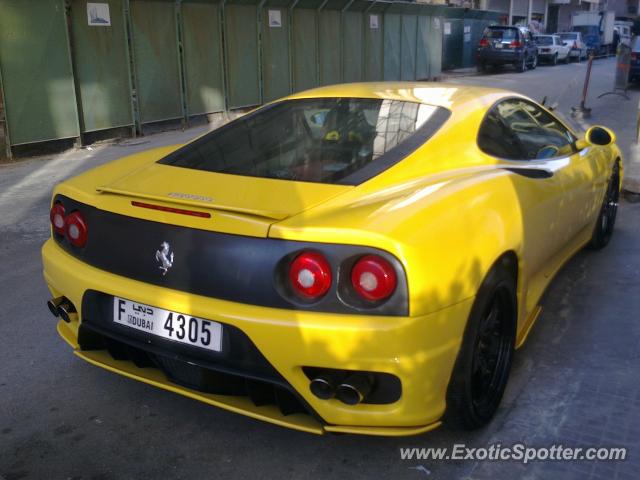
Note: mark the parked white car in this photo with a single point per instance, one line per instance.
(552, 49)
(575, 43)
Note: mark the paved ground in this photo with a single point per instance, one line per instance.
(574, 382)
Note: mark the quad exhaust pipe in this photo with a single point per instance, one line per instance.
(61, 307)
(349, 389)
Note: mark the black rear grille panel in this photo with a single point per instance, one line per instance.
(239, 370)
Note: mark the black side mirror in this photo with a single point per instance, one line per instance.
(602, 136)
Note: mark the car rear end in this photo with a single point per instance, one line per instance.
(166, 269)
(500, 46)
(572, 40)
(546, 49)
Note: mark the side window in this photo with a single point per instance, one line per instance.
(535, 133)
(495, 139)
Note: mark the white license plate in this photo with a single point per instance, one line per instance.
(498, 45)
(179, 327)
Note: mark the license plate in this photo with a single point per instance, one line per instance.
(498, 45)
(175, 326)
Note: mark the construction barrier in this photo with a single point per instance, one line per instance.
(69, 69)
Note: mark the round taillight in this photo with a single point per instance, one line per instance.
(373, 278)
(56, 215)
(310, 275)
(76, 229)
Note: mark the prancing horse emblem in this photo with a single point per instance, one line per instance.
(165, 257)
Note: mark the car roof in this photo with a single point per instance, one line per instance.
(447, 95)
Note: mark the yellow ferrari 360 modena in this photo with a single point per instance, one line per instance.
(360, 258)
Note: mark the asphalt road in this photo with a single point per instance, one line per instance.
(574, 383)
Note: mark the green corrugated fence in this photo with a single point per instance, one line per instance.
(69, 69)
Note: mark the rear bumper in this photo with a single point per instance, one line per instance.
(420, 351)
(499, 57)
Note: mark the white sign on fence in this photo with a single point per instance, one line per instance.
(98, 14)
(275, 18)
(373, 22)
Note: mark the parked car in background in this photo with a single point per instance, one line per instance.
(507, 45)
(634, 63)
(575, 43)
(552, 49)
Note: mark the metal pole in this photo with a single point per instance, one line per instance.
(225, 69)
(582, 111)
(181, 64)
(66, 5)
(6, 119)
(344, 9)
(260, 53)
(318, 10)
(290, 17)
(128, 32)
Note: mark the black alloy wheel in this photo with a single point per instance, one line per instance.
(608, 212)
(492, 355)
(484, 361)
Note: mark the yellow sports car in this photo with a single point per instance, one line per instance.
(360, 258)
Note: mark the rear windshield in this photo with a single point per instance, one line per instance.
(569, 36)
(325, 140)
(544, 40)
(501, 33)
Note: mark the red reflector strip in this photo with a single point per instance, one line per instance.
(192, 213)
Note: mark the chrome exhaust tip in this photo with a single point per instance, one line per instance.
(324, 385)
(53, 305)
(66, 310)
(355, 388)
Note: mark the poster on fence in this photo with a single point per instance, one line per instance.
(98, 14)
(275, 18)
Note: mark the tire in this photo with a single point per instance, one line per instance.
(521, 66)
(482, 67)
(567, 59)
(482, 368)
(554, 62)
(608, 211)
(534, 62)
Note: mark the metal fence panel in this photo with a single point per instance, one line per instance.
(159, 91)
(435, 47)
(101, 64)
(392, 46)
(373, 44)
(329, 37)
(304, 50)
(422, 48)
(352, 46)
(202, 57)
(453, 43)
(275, 55)
(36, 71)
(241, 39)
(408, 47)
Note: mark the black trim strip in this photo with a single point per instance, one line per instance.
(237, 268)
